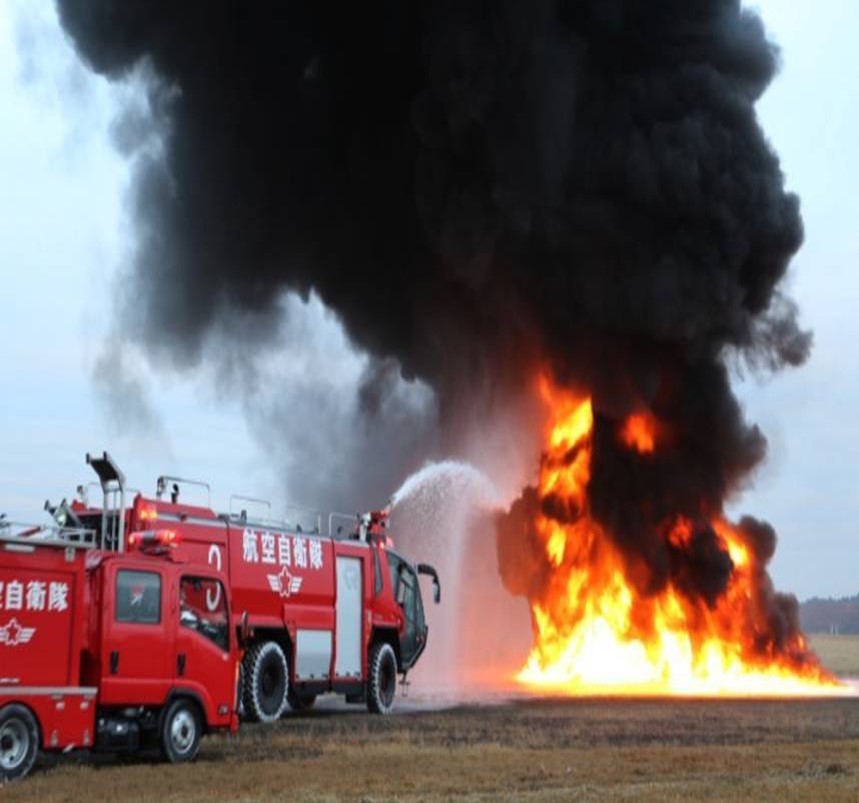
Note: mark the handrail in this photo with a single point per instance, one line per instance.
(82, 491)
(83, 495)
(47, 533)
(352, 519)
(252, 499)
(260, 522)
(317, 514)
(280, 524)
(164, 479)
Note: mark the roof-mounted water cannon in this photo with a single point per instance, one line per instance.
(372, 527)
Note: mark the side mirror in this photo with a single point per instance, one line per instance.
(424, 568)
(245, 631)
(401, 592)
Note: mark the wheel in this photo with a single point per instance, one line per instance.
(181, 732)
(382, 683)
(266, 681)
(19, 742)
(300, 702)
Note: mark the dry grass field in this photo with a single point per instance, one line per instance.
(541, 751)
(839, 653)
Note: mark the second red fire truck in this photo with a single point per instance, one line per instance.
(148, 621)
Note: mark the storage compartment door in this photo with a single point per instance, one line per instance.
(312, 655)
(349, 595)
(36, 620)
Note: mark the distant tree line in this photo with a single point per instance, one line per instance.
(820, 615)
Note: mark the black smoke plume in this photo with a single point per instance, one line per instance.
(478, 190)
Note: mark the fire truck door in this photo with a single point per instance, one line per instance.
(136, 633)
(349, 617)
(202, 660)
(408, 593)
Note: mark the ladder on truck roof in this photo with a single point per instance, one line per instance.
(112, 482)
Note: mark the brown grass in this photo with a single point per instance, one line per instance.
(839, 653)
(537, 751)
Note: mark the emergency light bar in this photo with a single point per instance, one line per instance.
(148, 538)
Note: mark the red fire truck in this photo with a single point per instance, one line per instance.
(148, 623)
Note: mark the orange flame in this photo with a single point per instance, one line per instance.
(639, 432)
(595, 633)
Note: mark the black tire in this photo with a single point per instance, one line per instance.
(19, 742)
(300, 702)
(181, 731)
(266, 679)
(382, 683)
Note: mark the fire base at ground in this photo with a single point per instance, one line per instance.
(710, 625)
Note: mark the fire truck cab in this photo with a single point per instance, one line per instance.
(108, 651)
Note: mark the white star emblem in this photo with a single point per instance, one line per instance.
(284, 583)
(12, 634)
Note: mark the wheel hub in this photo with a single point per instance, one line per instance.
(183, 730)
(387, 684)
(14, 742)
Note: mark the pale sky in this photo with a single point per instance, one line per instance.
(64, 238)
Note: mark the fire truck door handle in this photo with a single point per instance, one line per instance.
(114, 662)
(180, 664)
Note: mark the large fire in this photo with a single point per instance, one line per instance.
(595, 633)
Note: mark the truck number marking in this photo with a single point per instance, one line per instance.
(213, 595)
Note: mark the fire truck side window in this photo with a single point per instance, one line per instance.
(138, 597)
(403, 577)
(395, 566)
(407, 578)
(203, 608)
(420, 619)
